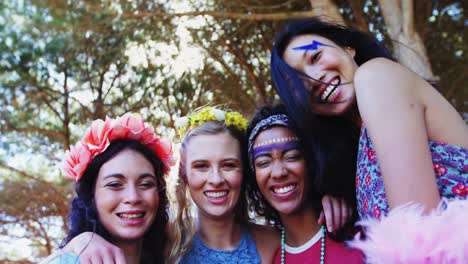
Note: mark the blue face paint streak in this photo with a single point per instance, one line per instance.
(313, 46)
(280, 146)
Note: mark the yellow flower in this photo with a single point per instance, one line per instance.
(207, 114)
(182, 132)
(237, 120)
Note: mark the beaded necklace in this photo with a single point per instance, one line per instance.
(322, 247)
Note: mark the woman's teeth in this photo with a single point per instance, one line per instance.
(285, 189)
(131, 216)
(216, 194)
(331, 90)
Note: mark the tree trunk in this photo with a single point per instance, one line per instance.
(408, 47)
(328, 10)
(359, 17)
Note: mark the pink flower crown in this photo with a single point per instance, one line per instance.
(101, 133)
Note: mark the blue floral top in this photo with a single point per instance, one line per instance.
(65, 258)
(450, 166)
(245, 253)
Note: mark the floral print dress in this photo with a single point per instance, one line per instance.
(450, 166)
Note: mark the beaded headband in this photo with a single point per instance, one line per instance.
(206, 114)
(276, 140)
(274, 120)
(101, 133)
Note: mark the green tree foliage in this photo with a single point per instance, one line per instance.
(65, 63)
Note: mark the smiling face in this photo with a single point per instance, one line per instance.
(280, 169)
(214, 174)
(126, 195)
(330, 68)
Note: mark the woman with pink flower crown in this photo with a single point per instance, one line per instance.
(211, 177)
(118, 169)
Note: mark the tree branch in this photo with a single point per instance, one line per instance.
(218, 14)
(407, 8)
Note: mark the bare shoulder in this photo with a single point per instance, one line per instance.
(267, 240)
(386, 79)
(385, 72)
(379, 65)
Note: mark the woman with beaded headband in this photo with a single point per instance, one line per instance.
(212, 172)
(345, 78)
(118, 167)
(211, 176)
(282, 191)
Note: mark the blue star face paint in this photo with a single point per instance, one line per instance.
(313, 46)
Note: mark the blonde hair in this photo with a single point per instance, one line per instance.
(184, 226)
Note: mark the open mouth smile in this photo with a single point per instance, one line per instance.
(331, 90)
(284, 189)
(216, 195)
(131, 216)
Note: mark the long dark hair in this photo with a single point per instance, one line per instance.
(332, 141)
(328, 172)
(289, 83)
(83, 215)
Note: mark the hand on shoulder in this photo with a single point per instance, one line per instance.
(92, 248)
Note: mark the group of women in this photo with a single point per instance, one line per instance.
(357, 133)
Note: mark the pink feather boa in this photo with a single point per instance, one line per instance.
(407, 236)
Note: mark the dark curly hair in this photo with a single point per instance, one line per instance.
(324, 176)
(83, 215)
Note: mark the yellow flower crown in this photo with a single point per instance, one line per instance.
(205, 114)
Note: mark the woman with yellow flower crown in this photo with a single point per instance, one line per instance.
(211, 176)
(212, 171)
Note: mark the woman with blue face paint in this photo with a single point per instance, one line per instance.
(211, 177)
(412, 143)
(283, 191)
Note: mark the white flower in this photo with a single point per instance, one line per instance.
(219, 114)
(182, 122)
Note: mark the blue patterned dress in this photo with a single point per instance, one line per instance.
(65, 258)
(245, 253)
(450, 166)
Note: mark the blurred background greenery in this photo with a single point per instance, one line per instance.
(64, 63)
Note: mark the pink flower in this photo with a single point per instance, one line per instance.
(358, 180)
(368, 179)
(460, 190)
(163, 149)
(101, 133)
(376, 212)
(439, 170)
(134, 127)
(76, 160)
(96, 137)
(371, 154)
(366, 205)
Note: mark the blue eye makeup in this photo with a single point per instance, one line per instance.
(313, 46)
(280, 146)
